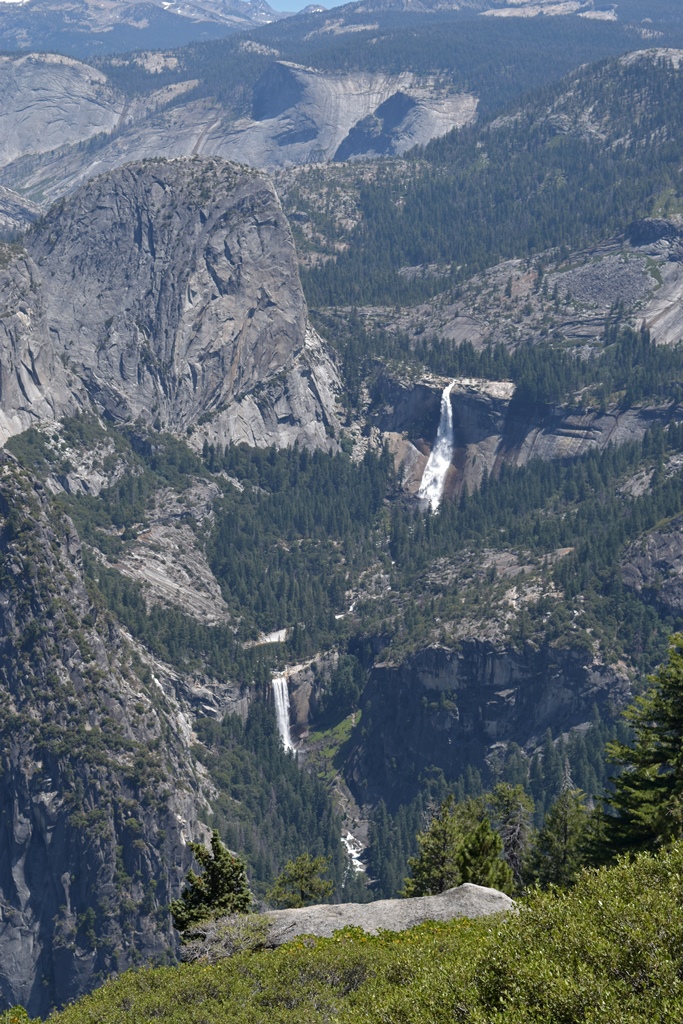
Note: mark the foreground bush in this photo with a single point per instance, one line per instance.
(610, 951)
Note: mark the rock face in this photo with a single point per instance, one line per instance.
(299, 115)
(16, 213)
(391, 915)
(47, 101)
(383, 915)
(446, 708)
(98, 793)
(304, 116)
(662, 314)
(654, 568)
(167, 292)
(493, 427)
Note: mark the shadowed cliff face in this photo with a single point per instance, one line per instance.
(167, 292)
(98, 794)
(446, 709)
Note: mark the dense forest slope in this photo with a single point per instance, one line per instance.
(108, 687)
(98, 793)
(584, 160)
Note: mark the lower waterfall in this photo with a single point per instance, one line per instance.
(281, 694)
(434, 476)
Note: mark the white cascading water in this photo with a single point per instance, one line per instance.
(281, 694)
(434, 476)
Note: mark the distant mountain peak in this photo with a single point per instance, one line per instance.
(83, 26)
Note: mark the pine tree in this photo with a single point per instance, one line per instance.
(559, 851)
(648, 796)
(221, 889)
(299, 884)
(512, 812)
(458, 846)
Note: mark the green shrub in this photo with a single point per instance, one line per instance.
(609, 951)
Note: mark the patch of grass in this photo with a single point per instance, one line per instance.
(667, 203)
(654, 271)
(329, 746)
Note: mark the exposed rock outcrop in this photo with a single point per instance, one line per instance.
(299, 115)
(654, 567)
(16, 213)
(302, 116)
(167, 292)
(391, 915)
(215, 941)
(47, 101)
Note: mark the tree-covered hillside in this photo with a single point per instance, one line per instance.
(578, 163)
(497, 59)
(473, 656)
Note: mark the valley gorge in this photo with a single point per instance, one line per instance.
(99, 797)
(341, 426)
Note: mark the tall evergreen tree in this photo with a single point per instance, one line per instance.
(559, 851)
(648, 797)
(221, 889)
(300, 883)
(512, 812)
(458, 846)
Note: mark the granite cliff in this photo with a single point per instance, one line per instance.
(167, 292)
(492, 427)
(450, 707)
(65, 122)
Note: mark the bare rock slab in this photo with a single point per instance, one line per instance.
(219, 939)
(386, 915)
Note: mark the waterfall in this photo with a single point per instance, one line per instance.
(281, 694)
(434, 476)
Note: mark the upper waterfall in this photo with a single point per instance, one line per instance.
(434, 476)
(281, 694)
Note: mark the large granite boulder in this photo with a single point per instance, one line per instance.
(218, 939)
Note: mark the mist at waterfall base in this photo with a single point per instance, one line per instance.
(434, 476)
(281, 695)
